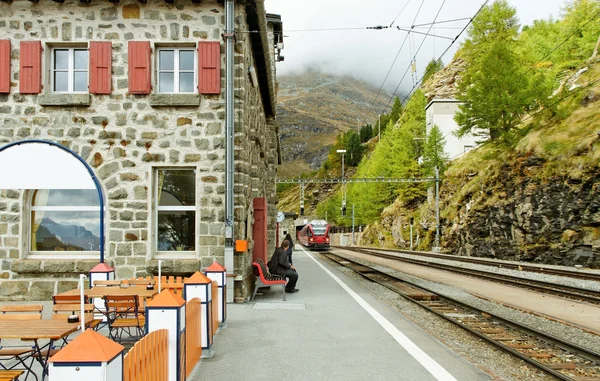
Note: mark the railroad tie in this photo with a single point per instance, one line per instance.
(540, 355)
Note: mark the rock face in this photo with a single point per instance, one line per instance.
(556, 221)
(443, 84)
(313, 109)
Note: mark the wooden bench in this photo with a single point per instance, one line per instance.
(265, 278)
(10, 375)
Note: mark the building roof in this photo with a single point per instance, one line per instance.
(197, 278)
(90, 346)
(441, 100)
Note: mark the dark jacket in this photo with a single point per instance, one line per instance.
(279, 262)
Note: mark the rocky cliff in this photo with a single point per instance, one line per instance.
(537, 201)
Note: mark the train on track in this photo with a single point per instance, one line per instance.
(315, 235)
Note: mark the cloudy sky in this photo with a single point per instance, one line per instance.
(368, 54)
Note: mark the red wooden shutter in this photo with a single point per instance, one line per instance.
(30, 75)
(4, 66)
(139, 67)
(100, 67)
(209, 67)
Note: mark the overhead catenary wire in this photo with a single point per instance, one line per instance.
(531, 68)
(415, 56)
(396, 58)
(399, 13)
(563, 42)
(442, 55)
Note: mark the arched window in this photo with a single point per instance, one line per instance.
(64, 220)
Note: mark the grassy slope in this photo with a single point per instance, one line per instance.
(569, 146)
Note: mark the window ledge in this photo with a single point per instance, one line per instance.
(56, 99)
(158, 100)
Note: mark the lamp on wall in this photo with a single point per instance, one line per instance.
(253, 76)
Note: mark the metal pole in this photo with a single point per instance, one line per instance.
(229, 134)
(343, 165)
(411, 237)
(353, 242)
(437, 207)
(302, 199)
(379, 129)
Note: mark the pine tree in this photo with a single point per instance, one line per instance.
(494, 89)
(432, 67)
(434, 155)
(366, 133)
(354, 149)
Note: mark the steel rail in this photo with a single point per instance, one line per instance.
(537, 285)
(496, 263)
(495, 320)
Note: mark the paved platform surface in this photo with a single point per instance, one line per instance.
(581, 314)
(332, 329)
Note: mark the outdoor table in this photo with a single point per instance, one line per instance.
(102, 291)
(36, 330)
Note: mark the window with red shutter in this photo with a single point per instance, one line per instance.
(139, 67)
(209, 67)
(100, 67)
(30, 66)
(4, 66)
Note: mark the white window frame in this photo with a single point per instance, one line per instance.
(43, 254)
(187, 208)
(176, 70)
(70, 69)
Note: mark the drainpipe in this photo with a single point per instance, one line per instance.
(229, 143)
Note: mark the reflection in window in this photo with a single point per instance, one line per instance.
(70, 70)
(176, 70)
(176, 205)
(65, 220)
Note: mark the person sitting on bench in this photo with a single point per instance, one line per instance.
(280, 265)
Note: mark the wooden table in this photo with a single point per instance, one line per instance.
(36, 330)
(102, 291)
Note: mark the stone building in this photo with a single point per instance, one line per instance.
(138, 90)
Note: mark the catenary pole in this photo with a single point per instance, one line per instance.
(229, 141)
(437, 208)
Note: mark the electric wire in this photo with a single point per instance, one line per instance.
(442, 55)
(399, 13)
(563, 42)
(396, 58)
(414, 58)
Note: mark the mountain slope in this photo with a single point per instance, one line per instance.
(313, 108)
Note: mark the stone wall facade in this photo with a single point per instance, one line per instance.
(125, 137)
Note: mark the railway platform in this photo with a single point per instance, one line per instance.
(332, 329)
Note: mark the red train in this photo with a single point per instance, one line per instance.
(315, 235)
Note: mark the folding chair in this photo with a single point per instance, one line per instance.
(19, 354)
(124, 316)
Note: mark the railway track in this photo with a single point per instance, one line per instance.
(496, 263)
(565, 291)
(560, 358)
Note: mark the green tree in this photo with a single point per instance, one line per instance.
(366, 133)
(434, 155)
(495, 92)
(494, 89)
(396, 111)
(354, 149)
(432, 67)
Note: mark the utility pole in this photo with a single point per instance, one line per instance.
(302, 198)
(411, 232)
(343, 152)
(437, 208)
(353, 242)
